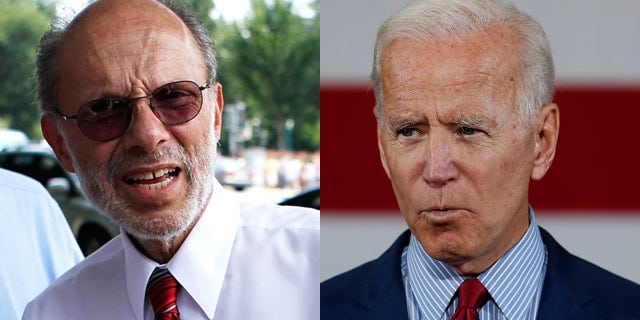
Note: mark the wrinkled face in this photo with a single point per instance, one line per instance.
(155, 179)
(458, 158)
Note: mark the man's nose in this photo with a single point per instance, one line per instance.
(145, 131)
(440, 167)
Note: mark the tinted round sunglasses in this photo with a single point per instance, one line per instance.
(109, 118)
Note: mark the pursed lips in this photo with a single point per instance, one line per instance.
(440, 212)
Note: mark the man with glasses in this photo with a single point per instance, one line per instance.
(131, 105)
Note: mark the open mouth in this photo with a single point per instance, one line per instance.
(153, 180)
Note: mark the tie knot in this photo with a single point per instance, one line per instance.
(162, 290)
(472, 294)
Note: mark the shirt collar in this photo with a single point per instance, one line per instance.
(517, 273)
(201, 262)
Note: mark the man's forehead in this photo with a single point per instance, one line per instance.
(105, 17)
(115, 44)
(473, 62)
(110, 28)
(497, 44)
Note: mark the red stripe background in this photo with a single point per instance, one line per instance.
(595, 167)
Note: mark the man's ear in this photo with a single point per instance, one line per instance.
(52, 134)
(547, 130)
(219, 107)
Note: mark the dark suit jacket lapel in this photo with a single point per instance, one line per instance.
(564, 295)
(382, 292)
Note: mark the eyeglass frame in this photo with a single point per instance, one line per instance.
(128, 101)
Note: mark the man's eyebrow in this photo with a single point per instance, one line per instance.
(474, 122)
(401, 123)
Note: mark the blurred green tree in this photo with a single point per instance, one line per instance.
(203, 9)
(22, 23)
(272, 62)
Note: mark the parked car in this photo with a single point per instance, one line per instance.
(233, 172)
(90, 228)
(11, 139)
(309, 199)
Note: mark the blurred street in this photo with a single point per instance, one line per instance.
(263, 194)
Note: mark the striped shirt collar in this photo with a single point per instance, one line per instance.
(514, 281)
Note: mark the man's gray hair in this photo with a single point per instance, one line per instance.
(47, 73)
(432, 20)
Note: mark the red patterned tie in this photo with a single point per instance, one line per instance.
(471, 296)
(162, 291)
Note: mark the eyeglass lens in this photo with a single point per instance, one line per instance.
(108, 118)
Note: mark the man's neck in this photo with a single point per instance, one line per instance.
(161, 251)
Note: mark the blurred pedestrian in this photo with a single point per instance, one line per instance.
(36, 243)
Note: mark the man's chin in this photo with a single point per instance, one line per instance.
(159, 226)
(446, 247)
(158, 230)
(165, 236)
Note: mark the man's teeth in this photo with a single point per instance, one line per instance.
(157, 185)
(153, 180)
(152, 175)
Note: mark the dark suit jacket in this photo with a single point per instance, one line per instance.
(573, 289)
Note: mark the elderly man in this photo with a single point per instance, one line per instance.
(465, 120)
(131, 105)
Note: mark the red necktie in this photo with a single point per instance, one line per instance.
(471, 296)
(162, 291)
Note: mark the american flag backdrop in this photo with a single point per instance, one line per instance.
(590, 198)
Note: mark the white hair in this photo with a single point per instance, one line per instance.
(431, 21)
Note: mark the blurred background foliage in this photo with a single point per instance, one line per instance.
(22, 23)
(269, 66)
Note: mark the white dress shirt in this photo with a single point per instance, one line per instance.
(36, 243)
(240, 261)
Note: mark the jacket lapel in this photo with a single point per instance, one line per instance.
(382, 292)
(564, 295)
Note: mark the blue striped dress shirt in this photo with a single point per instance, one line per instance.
(514, 282)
